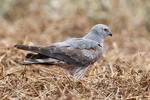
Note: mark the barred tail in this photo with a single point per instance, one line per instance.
(28, 48)
(42, 61)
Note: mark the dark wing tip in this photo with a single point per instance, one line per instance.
(15, 45)
(19, 46)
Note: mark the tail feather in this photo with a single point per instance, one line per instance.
(28, 48)
(44, 51)
(36, 56)
(42, 61)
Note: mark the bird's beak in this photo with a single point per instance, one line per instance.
(110, 34)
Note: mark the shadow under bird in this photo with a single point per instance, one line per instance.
(74, 55)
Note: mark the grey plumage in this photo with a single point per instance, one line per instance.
(75, 54)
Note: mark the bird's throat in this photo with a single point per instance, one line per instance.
(94, 37)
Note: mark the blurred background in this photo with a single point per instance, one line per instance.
(49, 21)
(43, 22)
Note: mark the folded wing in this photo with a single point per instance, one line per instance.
(76, 52)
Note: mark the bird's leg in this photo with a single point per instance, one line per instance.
(77, 72)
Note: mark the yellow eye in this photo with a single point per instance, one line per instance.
(105, 29)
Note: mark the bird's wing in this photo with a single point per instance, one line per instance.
(77, 52)
(78, 43)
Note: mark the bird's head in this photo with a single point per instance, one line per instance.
(102, 30)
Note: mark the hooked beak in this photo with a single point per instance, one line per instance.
(110, 34)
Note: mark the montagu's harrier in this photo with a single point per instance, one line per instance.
(75, 54)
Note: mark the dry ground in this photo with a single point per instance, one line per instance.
(122, 73)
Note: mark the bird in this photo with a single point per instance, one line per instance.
(75, 55)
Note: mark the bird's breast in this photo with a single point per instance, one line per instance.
(92, 55)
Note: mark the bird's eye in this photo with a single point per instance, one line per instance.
(105, 29)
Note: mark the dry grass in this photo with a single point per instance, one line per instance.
(123, 73)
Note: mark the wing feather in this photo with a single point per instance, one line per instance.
(69, 54)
